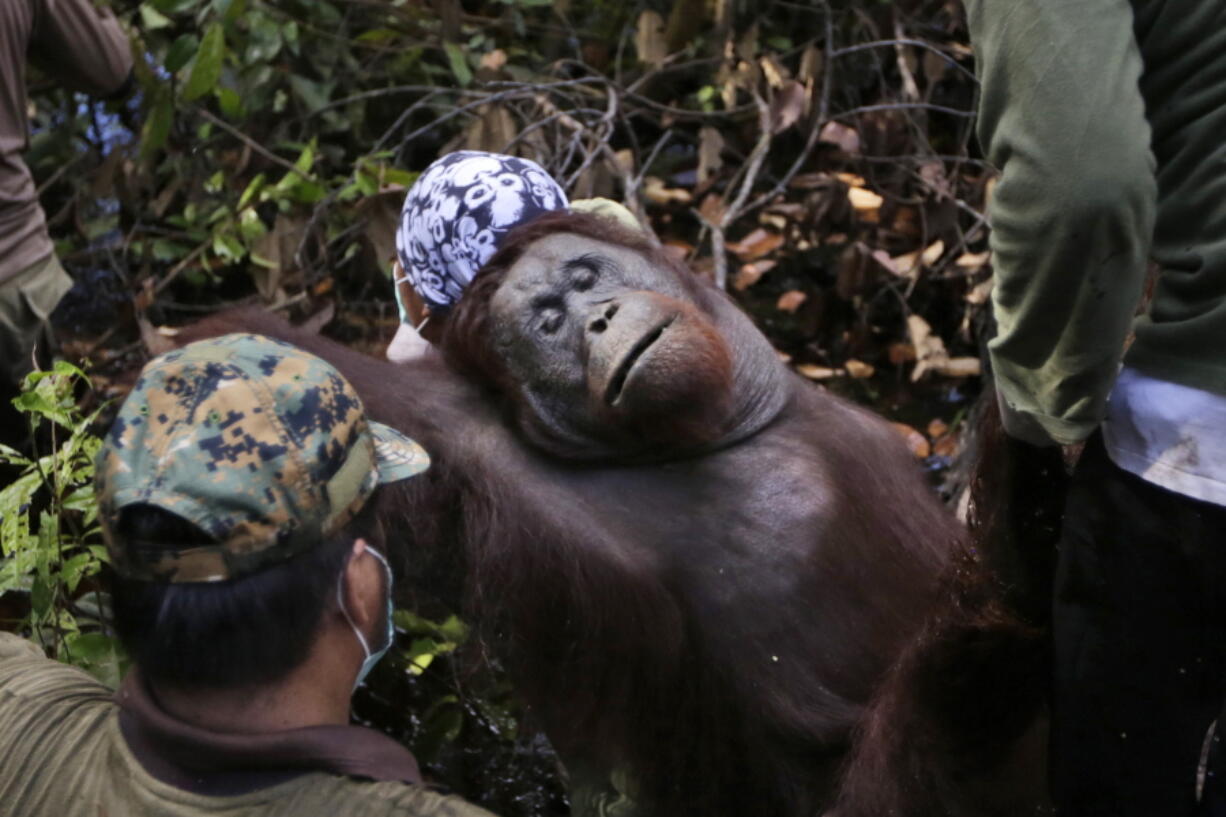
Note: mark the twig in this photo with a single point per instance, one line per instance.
(183, 264)
(404, 117)
(251, 143)
(851, 49)
(515, 89)
(815, 129)
(903, 106)
(732, 211)
(55, 177)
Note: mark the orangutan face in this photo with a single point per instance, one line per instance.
(604, 344)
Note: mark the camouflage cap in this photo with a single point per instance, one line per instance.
(263, 446)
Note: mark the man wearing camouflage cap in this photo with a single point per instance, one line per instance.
(237, 491)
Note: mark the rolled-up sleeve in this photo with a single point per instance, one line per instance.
(81, 46)
(1062, 117)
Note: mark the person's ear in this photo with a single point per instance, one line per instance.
(363, 586)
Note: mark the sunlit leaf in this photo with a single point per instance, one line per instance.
(151, 19)
(206, 69)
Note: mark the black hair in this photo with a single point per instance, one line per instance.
(251, 630)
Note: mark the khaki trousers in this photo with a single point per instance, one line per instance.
(26, 302)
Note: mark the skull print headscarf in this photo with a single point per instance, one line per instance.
(455, 217)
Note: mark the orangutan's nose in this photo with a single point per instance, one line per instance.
(604, 314)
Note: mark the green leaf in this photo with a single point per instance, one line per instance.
(265, 39)
(228, 248)
(233, 10)
(253, 189)
(404, 178)
(459, 63)
(40, 597)
(151, 19)
(99, 654)
(12, 456)
(157, 127)
(35, 403)
(76, 568)
(180, 52)
(377, 36)
(313, 94)
(441, 724)
(452, 631)
(306, 159)
(175, 6)
(290, 33)
(250, 226)
(231, 103)
(206, 70)
(166, 250)
(63, 367)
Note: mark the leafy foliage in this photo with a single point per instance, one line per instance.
(50, 545)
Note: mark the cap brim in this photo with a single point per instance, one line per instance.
(397, 457)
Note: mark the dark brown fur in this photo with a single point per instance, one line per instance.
(719, 624)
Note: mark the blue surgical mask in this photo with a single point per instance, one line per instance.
(372, 658)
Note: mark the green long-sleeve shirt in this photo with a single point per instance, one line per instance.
(1107, 119)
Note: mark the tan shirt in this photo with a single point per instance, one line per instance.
(63, 753)
(81, 47)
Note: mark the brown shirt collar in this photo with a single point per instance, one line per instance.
(224, 763)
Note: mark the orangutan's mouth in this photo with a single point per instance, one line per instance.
(618, 382)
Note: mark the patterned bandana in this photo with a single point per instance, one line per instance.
(263, 446)
(455, 217)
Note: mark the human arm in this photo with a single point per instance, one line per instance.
(1062, 117)
(81, 46)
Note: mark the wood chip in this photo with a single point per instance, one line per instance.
(900, 353)
(960, 367)
(657, 193)
(865, 202)
(791, 300)
(980, 292)
(947, 446)
(847, 139)
(915, 441)
(818, 372)
(649, 38)
(776, 73)
(973, 260)
(859, 369)
(787, 106)
(494, 60)
(756, 245)
(710, 152)
(750, 274)
(712, 208)
(933, 254)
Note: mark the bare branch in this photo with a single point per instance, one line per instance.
(251, 143)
